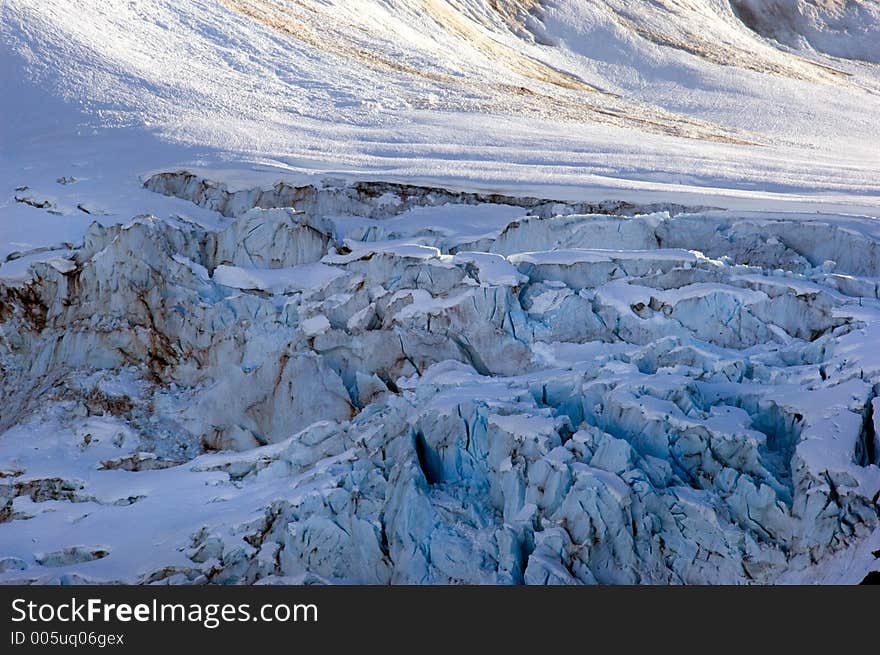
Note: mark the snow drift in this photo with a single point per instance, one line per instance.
(842, 28)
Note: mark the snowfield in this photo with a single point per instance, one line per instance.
(439, 291)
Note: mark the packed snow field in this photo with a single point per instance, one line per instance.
(440, 292)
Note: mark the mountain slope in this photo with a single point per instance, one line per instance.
(841, 28)
(590, 91)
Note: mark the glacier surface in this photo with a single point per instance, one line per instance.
(443, 390)
(439, 291)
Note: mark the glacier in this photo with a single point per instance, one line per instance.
(665, 396)
(428, 292)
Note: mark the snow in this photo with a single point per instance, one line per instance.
(580, 256)
(459, 224)
(307, 277)
(362, 250)
(493, 269)
(176, 74)
(417, 291)
(834, 27)
(315, 325)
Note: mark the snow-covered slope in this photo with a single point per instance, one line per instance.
(841, 28)
(439, 291)
(652, 95)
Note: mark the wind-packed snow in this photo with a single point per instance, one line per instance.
(842, 28)
(439, 291)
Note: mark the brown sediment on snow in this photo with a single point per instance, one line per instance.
(527, 86)
(676, 23)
